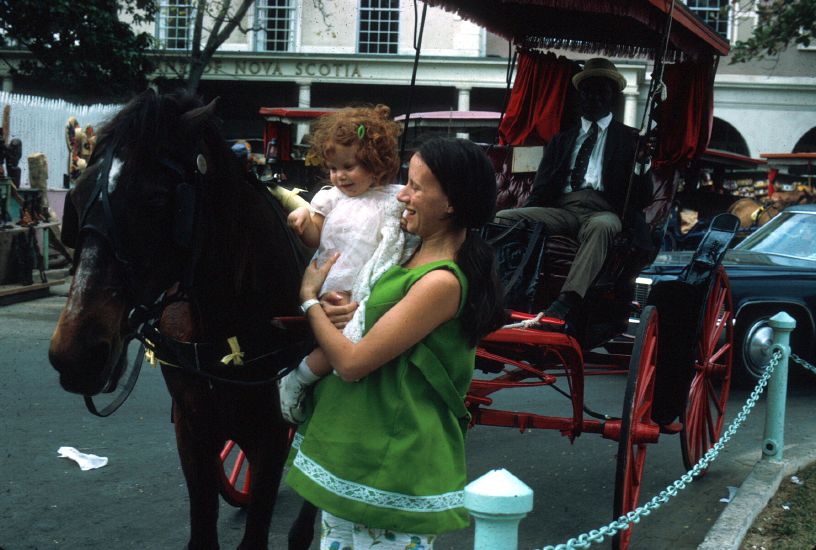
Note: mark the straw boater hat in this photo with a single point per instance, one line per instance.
(600, 66)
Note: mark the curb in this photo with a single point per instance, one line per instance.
(762, 482)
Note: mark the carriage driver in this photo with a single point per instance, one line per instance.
(581, 183)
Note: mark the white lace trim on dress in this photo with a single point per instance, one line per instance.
(376, 497)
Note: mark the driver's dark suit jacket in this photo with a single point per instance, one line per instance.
(553, 172)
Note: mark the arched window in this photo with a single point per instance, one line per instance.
(807, 143)
(727, 138)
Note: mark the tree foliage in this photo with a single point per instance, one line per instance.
(780, 22)
(82, 49)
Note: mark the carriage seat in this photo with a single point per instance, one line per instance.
(512, 187)
(559, 251)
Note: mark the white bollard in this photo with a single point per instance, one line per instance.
(498, 501)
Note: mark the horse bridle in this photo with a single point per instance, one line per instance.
(106, 227)
(143, 318)
(103, 222)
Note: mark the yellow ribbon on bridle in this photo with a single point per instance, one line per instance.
(237, 356)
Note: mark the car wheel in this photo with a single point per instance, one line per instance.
(753, 346)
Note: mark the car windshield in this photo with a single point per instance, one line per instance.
(791, 234)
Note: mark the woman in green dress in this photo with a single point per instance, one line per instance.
(383, 451)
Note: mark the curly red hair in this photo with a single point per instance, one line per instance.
(370, 129)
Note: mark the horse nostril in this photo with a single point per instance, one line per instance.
(81, 361)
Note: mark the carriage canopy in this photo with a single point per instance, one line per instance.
(617, 28)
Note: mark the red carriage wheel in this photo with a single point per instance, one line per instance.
(705, 407)
(637, 427)
(234, 475)
(234, 478)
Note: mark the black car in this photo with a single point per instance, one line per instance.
(772, 270)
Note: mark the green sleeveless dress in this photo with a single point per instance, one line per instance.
(388, 451)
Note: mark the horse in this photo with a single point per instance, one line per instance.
(753, 213)
(178, 247)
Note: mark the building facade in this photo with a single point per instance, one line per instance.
(316, 53)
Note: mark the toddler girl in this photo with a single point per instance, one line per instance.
(358, 216)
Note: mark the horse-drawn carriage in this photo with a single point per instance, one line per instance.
(190, 258)
(678, 363)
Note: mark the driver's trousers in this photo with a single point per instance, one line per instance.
(583, 215)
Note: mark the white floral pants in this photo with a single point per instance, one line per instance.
(341, 534)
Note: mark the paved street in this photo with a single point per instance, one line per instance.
(139, 500)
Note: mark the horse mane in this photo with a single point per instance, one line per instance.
(246, 268)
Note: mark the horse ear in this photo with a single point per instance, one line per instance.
(194, 118)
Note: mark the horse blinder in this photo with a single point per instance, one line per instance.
(70, 222)
(184, 222)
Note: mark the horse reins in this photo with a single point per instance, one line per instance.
(193, 357)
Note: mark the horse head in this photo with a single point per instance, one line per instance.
(134, 211)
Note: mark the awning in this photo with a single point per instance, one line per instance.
(620, 28)
(727, 159)
(452, 119)
(296, 114)
(790, 159)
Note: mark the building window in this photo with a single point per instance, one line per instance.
(275, 25)
(379, 26)
(714, 13)
(175, 30)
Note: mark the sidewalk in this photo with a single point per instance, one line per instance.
(728, 530)
(736, 519)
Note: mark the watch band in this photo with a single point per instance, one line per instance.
(308, 303)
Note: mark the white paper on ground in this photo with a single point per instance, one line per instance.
(732, 492)
(85, 461)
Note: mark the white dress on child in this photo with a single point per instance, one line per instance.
(366, 231)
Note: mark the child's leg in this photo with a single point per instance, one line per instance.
(317, 363)
(292, 388)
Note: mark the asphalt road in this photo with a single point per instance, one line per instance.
(138, 500)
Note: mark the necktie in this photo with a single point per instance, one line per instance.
(582, 160)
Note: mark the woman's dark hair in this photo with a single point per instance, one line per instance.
(468, 180)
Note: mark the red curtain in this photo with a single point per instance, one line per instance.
(684, 119)
(282, 133)
(537, 100)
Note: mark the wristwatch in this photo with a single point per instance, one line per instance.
(309, 303)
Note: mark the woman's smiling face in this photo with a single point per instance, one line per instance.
(426, 206)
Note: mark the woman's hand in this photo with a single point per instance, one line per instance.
(314, 276)
(338, 309)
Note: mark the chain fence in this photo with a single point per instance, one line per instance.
(808, 366)
(585, 540)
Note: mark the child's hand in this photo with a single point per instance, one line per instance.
(298, 219)
(338, 308)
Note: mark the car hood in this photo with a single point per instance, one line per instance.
(734, 258)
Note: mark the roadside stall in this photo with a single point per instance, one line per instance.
(714, 182)
(285, 132)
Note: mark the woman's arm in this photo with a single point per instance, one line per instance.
(431, 301)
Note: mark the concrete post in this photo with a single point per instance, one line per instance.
(774, 439)
(304, 100)
(630, 97)
(463, 104)
(498, 501)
